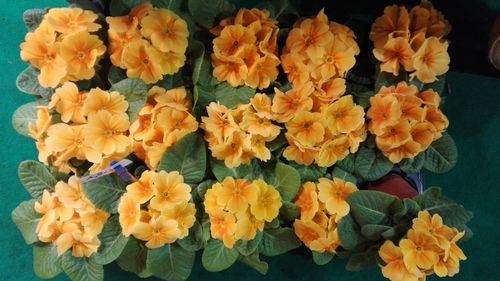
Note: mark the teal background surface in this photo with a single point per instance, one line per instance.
(472, 107)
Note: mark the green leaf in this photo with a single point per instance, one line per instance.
(388, 79)
(26, 219)
(342, 174)
(216, 257)
(81, 269)
(122, 7)
(441, 156)
(24, 115)
(203, 187)
(27, 82)
(278, 241)
(194, 241)
(116, 74)
(208, 13)
(374, 231)
(412, 165)
(45, 261)
(281, 9)
(322, 258)
(246, 248)
(36, 177)
(254, 262)
(230, 96)
(371, 164)
(349, 233)
(135, 91)
(33, 17)
(133, 258)
(285, 179)
(360, 261)
(289, 212)
(112, 242)
(221, 171)
(371, 207)
(171, 81)
(188, 157)
(105, 192)
(309, 172)
(279, 142)
(348, 163)
(171, 262)
(408, 212)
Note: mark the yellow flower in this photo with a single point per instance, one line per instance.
(237, 195)
(395, 269)
(286, 105)
(259, 148)
(438, 120)
(307, 201)
(394, 22)
(230, 69)
(223, 227)
(396, 52)
(334, 194)
(246, 228)
(219, 122)
(82, 244)
(419, 251)
(306, 127)
(232, 149)
(333, 150)
(142, 190)
(343, 116)
(308, 231)
(261, 103)
(98, 100)
(232, 39)
(43, 121)
(141, 61)
(169, 188)
(105, 132)
(167, 31)
(434, 226)
(174, 98)
(454, 252)
(68, 102)
(409, 149)
(411, 108)
(70, 142)
(173, 120)
(211, 203)
(327, 92)
(81, 51)
(268, 203)
(431, 60)
(256, 125)
(296, 71)
(184, 214)
(72, 20)
(328, 243)
(118, 41)
(297, 152)
(71, 193)
(157, 232)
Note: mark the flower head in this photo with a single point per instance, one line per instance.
(157, 232)
(81, 51)
(105, 132)
(169, 188)
(167, 31)
(268, 202)
(334, 194)
(72, 20)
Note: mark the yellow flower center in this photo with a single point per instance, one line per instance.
(79, 142)
(307, 125)
(145, 61)
(81, 55)
(418, 249)
(108, 133)
(165, 194)
(329, 59)
(235, 43)
(166, 31)
(308, 41)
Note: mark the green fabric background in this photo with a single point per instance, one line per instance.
(473, 110)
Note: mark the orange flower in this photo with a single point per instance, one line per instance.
(268, 202)
(98, 100)
(231, 69)
(296, 71)
(261, 103)
(307, 201)
(184, 214)
(309, 39)
(219, 122)
(256, 125)
(105, 132)
(158, 232)
(431, 60)
(328, 243)
(223, 227)
(141, 61)
(337, 59)
(142, 190)
(296, 152)
(232, 39)
(411, 108)
(81, 51)
(232, 149)
(394, 136)
(384, 111)
(419, 251)
(174, 98)
(285, 106)
(169, 188)
(173, 121)
(259, 148)
(334, 194)
(438, 120)
(263, 72)
(397, 51)
(70, 141)
(167, 31)
(306, 127)
(68, 102)
(246, 227)
(395, 269)
(394, 22)
(308, 231)
(118, 42)
(343, 116)
(237, 195)
(327, 92)
(72, 20)
(409, 149)
(434, 226)
(333, 150)
(423, 134)
(129, 210)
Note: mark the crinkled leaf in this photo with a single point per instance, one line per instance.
(36, 177)
(194, 241)
(347, 164)
(309, 172)
(371, 164)
(412, 165)
(171, 81)
(112, 242)
(374, 231)
(344, 175)
(45, 261)
(116, 74)
(254, 262)
(105, 192)
(408, 212)
(26, 219)
(322, 258)
(279, 142)
(23, 116)
(441, 156)
(232, 96)
(360, 261)
(221, 171)
(349, 233)
(171, 262)
(285, 179)
(289, 212)
(278, 241)
(202, 188)
(135, 91)
(133, 258)
(216, 257)
(33, 17)
(208, 13)
(81, 269)
(281, 9)
(371, 207)
(27, 82)
(188, 157)
(246, 248)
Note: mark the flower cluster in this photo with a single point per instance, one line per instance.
(318, 50)
(93, 126)
(412, 41)
(157, 208)
(148, 42)
(62, 46)
(245, 49)
(322, 205)
(239, 135)
(325, 136)
(237, 208)
(430, 247)
(164, 120)
(405, 121)
(69, 220)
